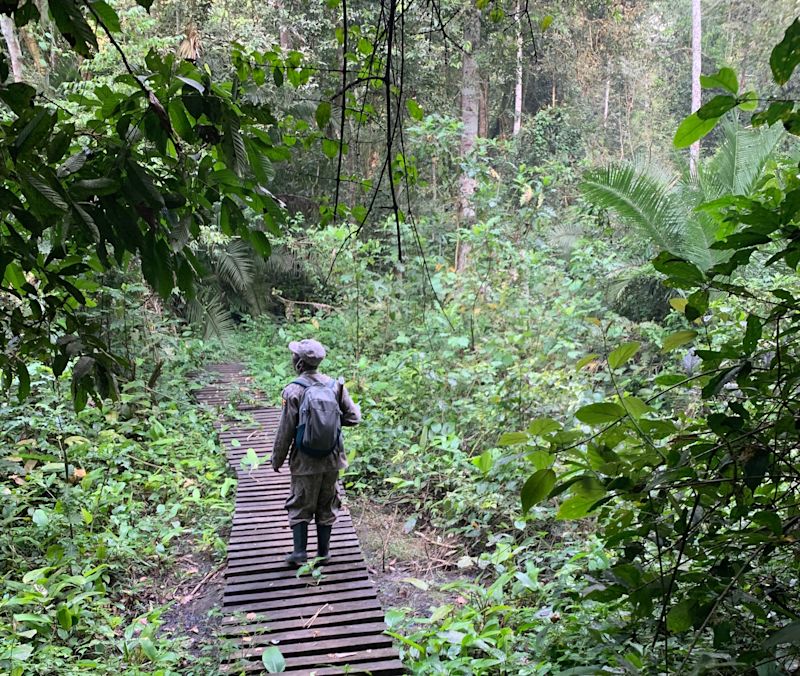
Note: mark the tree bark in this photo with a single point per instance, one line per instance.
(12, 44)
(283, 32)
(697, 63)
(605, 102)
(470, 117)
(518, 85)
(33, 47)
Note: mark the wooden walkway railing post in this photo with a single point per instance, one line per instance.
(333, 625)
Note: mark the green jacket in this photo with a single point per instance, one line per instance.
(301, 463)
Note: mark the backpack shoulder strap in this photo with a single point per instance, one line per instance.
(302, 383)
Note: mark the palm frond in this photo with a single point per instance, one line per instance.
(699, 233)
(740, 159)
(234, 265)
(208, 312)
(640, 200)
(565, 236)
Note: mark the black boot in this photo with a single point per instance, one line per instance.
(300, 536)
(323, 543)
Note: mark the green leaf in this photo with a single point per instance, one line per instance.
(771, 520)
(748, 101)
(414, 109)
(716, 107)
(107, 15)
(30, 137)
(725, 78)
(677, 269)
(260, 243)
(600, 414)
(537, 488)
(24, 388)
(43, 198)
(789, 634)
(786, 54)
(675, 340)
(681, 616)
(692, 129)
(18, 96)
(330, 148)
(419, 584)
(323, 114)
(71, 23)
(148, 648)
(546, 22)
(484, 461)
(585, 493)
(622, 354)
(40, 518)
(696, 305)
(752, 334)
(635, 407)
(64, 617)
(273, 660)
(588, 359)
(542, 426)
(31, 618)
(513, 438)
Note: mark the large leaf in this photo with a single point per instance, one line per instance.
(537, 488)
(273, 660)
(692, 129)
(724, 78)
(600, 414)
(622, 354)
(789, 634)
(786, 54)
(73, 26)
(585, 493)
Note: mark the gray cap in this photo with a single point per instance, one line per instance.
(310, 351)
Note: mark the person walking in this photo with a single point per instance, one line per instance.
(315, 407)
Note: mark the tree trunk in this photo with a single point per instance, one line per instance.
(283, 32)
(483, 114)
(605, 102)
(697, 63)
(12, 44)
(470, 117)
(518, 85)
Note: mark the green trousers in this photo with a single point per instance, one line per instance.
(314, 497)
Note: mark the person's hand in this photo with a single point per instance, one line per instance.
(277, 469)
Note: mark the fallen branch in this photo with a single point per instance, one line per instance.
(288, 302)
(212, 573)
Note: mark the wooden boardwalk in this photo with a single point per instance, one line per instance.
(334, 626)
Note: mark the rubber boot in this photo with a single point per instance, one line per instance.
(323, 543)
(300, 537)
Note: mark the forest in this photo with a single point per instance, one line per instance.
(551, 248)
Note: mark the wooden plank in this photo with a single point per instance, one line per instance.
(331, 626)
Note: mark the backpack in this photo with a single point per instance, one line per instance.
(320, 425)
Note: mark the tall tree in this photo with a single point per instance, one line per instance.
(12, 44)
(697, 63)
(470, 118)
(518, 82)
